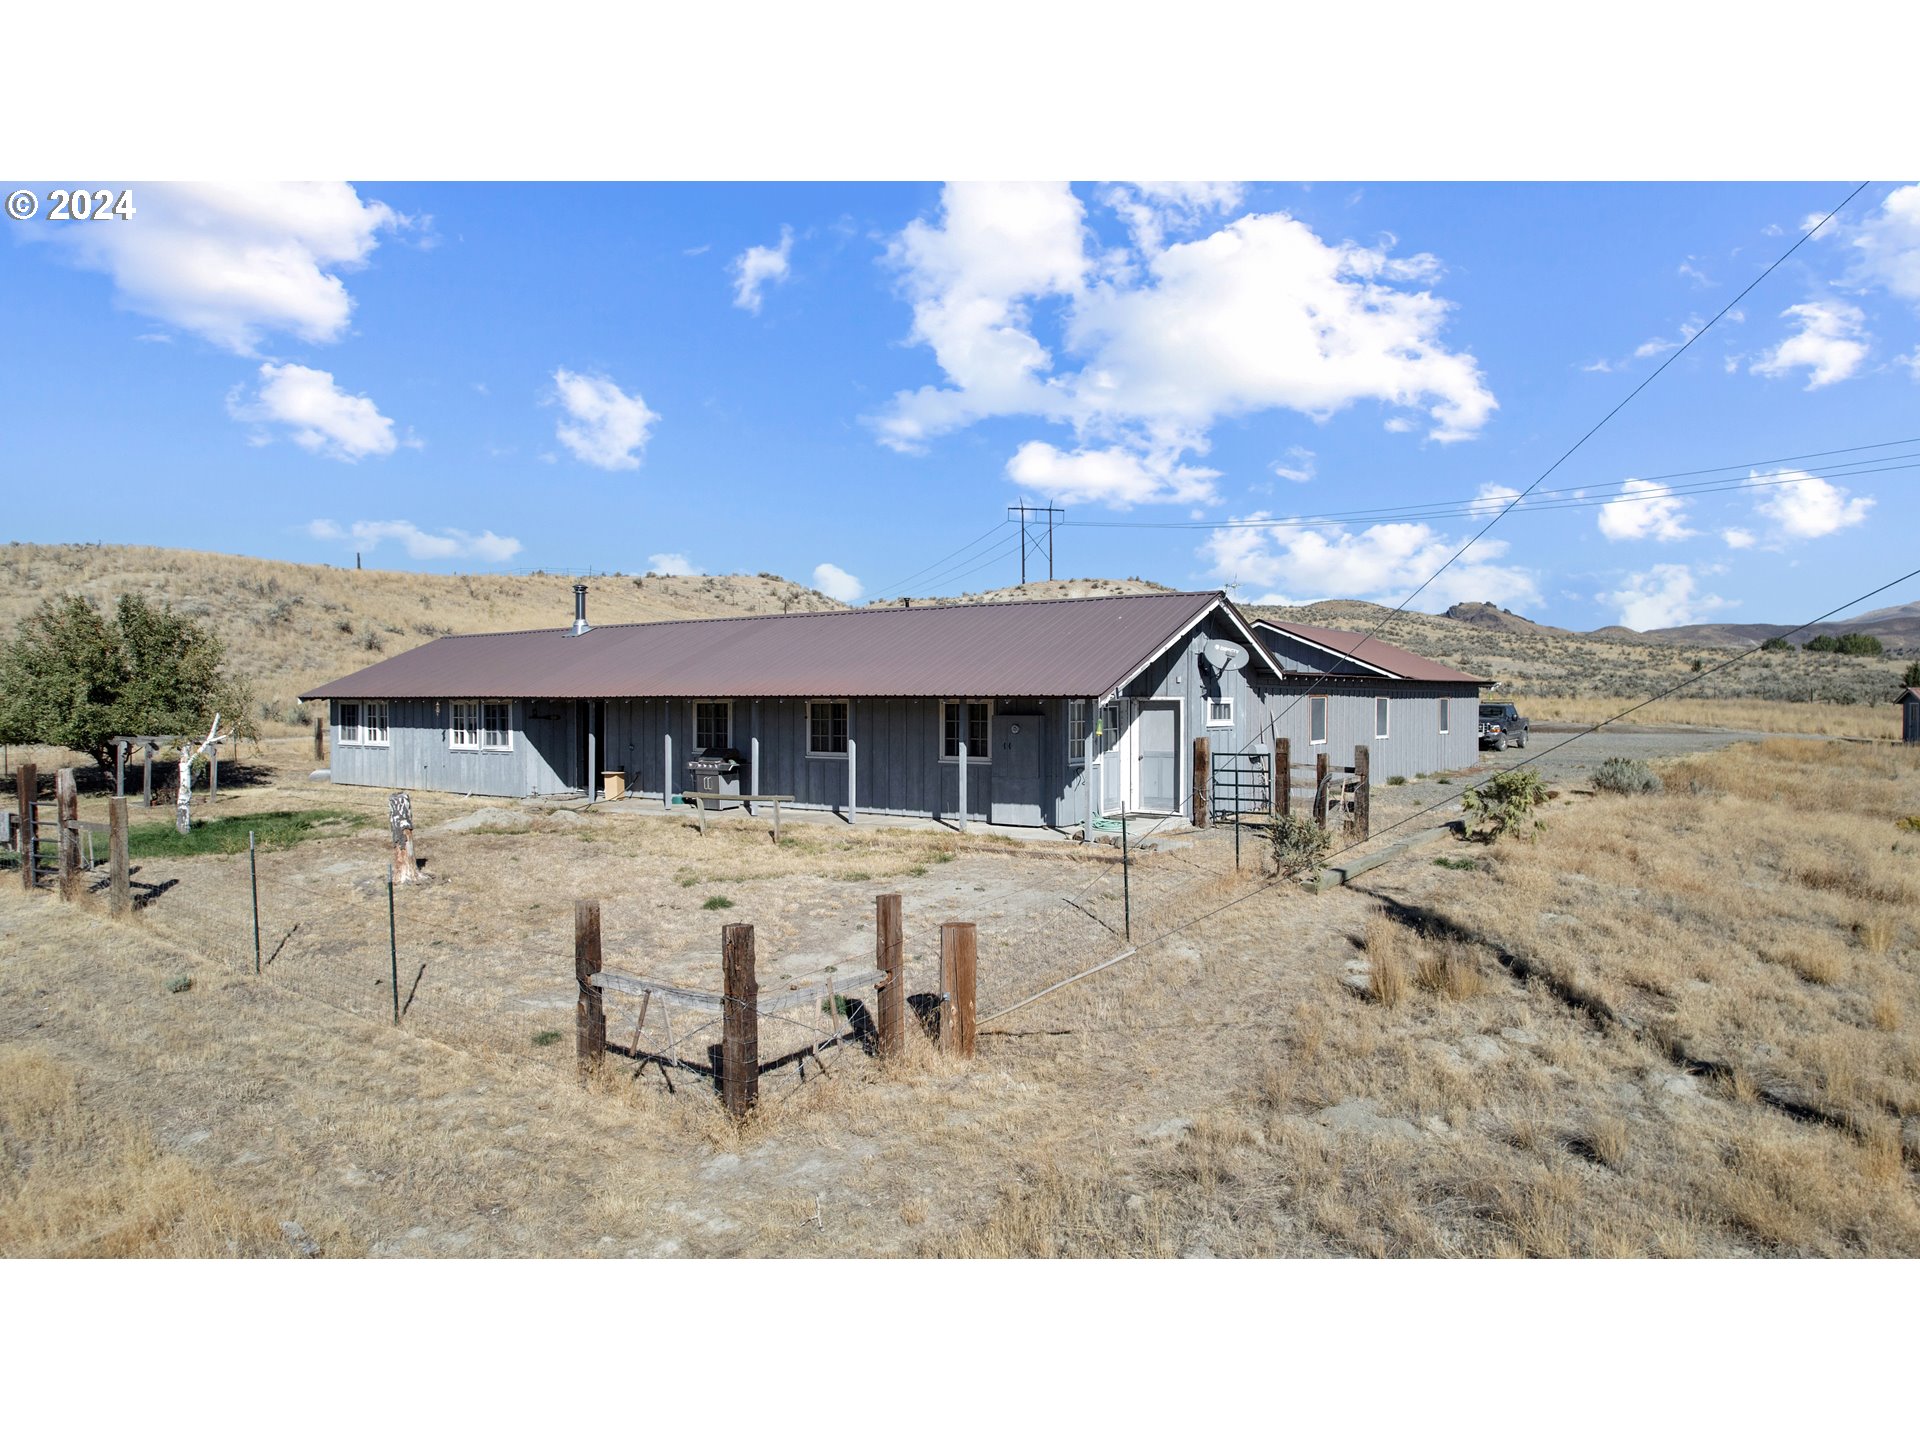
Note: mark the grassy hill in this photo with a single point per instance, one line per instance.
(289, 626)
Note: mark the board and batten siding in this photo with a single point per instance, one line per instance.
(418, 755)
(1414, 744)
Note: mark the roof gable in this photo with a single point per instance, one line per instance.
(1390, 661)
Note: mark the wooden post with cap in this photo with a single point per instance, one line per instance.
(1362, 792)
(1282, 776)
(1202, 768)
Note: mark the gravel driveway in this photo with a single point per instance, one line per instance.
(1563, 757)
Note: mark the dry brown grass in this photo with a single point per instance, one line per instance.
(1775, 717)
(1223, 1092)
(1386, 969)
(77, 1179)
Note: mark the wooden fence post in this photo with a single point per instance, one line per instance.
(959, 956)
(589, 1013)
(1362, 792)
(891, 1022)
(26, 784)
(120, 898)
(146, 775)
(1282, 776)
(740, 1025)
(319, 738)
(1322, 772)
(120, 768)
(1202, 776)
(66, 810)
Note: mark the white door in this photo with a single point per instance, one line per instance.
(1156, 748)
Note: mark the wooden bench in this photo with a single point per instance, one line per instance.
(699, 798)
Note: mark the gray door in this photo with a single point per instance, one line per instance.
(1113, 780)
(1018, 743)
(1156, 739)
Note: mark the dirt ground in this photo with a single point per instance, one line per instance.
(1255, 1081)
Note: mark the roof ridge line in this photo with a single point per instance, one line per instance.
(833, 614)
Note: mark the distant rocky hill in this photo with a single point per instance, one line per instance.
(1897, 627)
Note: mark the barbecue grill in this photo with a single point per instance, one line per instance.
(717, 772)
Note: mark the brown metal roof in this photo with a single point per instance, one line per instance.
(1398, 663)
(1036, 647)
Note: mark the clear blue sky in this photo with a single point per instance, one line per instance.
(784, 377)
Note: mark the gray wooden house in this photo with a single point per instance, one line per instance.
(1341, 689)
(1028, 713)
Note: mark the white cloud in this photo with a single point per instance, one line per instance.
(235, 262)
(1738, 539)
(1887, 245)
(1114, 477)
(1382, 562)
(420, 544)
(1807, 507)
(758, 266)
(606, 427)
(1644, 511)
(672, 563)
(832, 580)
(1168, 338)
(1298, 466)
(1152, 208)
(1491, 499)
(1829, 343)
(321, 417)
(1661, 596)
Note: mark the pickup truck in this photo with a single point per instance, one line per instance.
(1501, 726)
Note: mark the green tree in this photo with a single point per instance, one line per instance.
(74, 677)
(1857, 644)
(1778, 642)
(1912, 675)
(1822, 645)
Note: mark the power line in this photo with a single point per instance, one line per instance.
(1661, 369)
(1572, 498)
(1482, 504)
(901, 584)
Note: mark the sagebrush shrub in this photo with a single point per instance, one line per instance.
(1622, 776)
(1299, 846)
(1506, 803)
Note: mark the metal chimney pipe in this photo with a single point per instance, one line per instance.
(580, 626)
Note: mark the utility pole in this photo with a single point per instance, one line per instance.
(1024, 511)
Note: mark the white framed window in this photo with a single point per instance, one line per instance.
(1446, 713)
(713, 724)
(463, 730)
(976, 712)
(496, 725)
(1317, 720)
(347, 730)
(1220, 711)
(1077, 711)
(1380, 717)
(826, 728)
(373, 723)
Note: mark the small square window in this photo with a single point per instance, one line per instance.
(826, 727)
(1220, 710)
(498, 719)
(373, 723)
(463, 733)
(347, 732)
(976, 730)
(712, 724)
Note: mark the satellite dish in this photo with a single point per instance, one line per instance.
(1222, 657)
